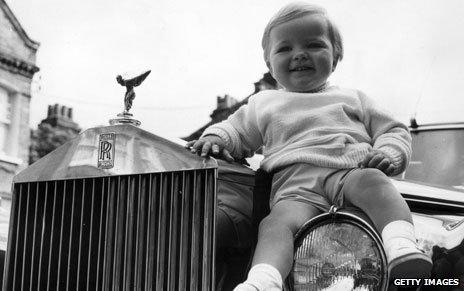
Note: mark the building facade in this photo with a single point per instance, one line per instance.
(17, 67)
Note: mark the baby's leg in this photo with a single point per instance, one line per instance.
(372, 191)
(273, 256)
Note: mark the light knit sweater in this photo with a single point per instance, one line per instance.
(334, 128)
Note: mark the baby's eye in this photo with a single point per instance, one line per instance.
(316, 45)
(283, 49)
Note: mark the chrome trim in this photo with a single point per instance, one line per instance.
(333, 209)
(124, 118)
(438, 126)
(150, 231)
(340, 214)
(421, 192)
(432, 230)
(432, 203)
(349, 216)
(136, 152)
(455, 225)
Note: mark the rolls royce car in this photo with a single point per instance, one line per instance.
(121, 208)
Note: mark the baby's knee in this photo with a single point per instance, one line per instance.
(273, 223)
(267, 222)
(363, 179)
(288, 215)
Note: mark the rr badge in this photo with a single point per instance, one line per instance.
(106, 145)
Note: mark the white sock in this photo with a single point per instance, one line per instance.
(399, 239)
(263, 277)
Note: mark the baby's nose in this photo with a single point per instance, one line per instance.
(300, 56)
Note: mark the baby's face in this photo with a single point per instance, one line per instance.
(301, 53)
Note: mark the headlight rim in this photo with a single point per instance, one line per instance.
(347, 216)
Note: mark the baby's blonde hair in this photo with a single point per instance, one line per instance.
(297, 10)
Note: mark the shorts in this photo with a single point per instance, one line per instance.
(318, 186)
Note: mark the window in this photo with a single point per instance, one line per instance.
(5, 117)
(438, 157)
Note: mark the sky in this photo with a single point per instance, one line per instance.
(405, 54)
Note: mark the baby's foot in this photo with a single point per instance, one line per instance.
(245, 287)
(405, 260)
(262, 277)
(409, 262)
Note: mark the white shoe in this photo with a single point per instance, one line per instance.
(262, 277)
(413, 265)
(405, 260)
(245, 287)
(249, 287)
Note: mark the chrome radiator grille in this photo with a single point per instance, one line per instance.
(136, 232)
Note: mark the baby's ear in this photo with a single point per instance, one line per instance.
(334, 66)
(268, 64)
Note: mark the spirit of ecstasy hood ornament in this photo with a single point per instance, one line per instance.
(125, 117)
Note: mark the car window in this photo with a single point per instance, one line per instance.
(438, 157)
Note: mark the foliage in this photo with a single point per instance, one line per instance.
(47, 138)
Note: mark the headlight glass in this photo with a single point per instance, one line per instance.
(338, 256)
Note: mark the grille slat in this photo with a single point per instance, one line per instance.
(64, 239)
(81, 230)
(46, 236)
(69, 254)
(136, 232)
(13, 239)
(151, 234)
(33, 282)
(118, 250)
(26, 253)
(108, 265)
(129, 229)
(160, 231)
(195, 228)
(140, 232)
(173, 230)
(209, 245)
(53, 239)
(184, 232)
(206, 233)
(24, 193)
(101, 229)
(95, 212)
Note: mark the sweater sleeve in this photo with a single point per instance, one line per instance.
(240, 131)
(388, 134)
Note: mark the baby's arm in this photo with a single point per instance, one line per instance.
(236, 137)
(391, 140)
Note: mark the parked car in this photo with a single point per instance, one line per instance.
(121, 208)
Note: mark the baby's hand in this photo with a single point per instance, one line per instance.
(210, 144)
(379, 160)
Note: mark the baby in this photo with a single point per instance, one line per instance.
(325, 145)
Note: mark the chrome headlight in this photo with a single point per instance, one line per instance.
(338, 252)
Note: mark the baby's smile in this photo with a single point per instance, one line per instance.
(300, 68)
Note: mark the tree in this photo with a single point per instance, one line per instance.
(47, 138)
